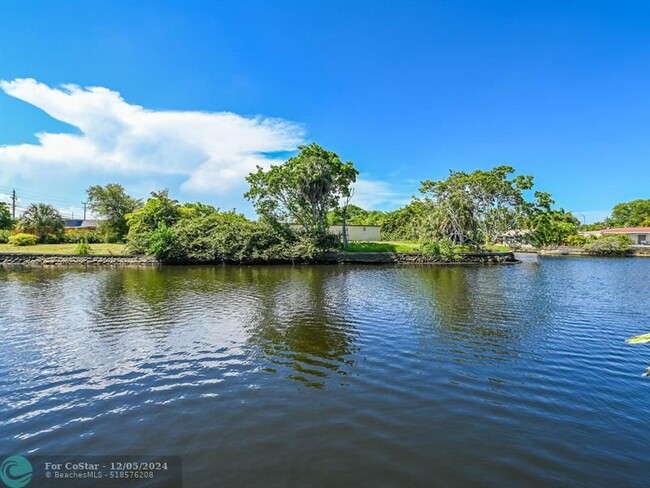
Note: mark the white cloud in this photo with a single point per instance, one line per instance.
(209, 151)
(376, 194)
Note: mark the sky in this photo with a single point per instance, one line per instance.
(192, 96)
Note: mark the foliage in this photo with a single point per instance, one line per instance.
(23, 240)
(630, 214)
(83, 248)
(303, 189)
(41, 219)
(159, 210)
(477, 207)
(550, 227)
(6, 222)
(356, 216)
(229, 236)
(75, 236)
(414, 222)
(612, 245)
(112, 204)
(216, 237)
(441, 250)
(575, 240)
(161, 243)
(4, 236)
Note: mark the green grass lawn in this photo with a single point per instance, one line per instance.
(383, 246)
(407, 246)
(98, 249)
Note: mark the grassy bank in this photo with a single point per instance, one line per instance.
(408, 246)
(384, 246)
(96, 249)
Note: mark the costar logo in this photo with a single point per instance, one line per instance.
(16, 472)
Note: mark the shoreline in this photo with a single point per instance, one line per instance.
(368, 258)
(634, 252)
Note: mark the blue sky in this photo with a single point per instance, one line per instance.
(194, 94)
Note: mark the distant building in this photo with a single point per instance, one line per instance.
(355, 232)
(639, 236)
(80, 224)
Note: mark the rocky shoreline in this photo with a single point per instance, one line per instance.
(34, 259)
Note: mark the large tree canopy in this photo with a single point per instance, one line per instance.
(303, 189)
(111, 203)
(478, 207)
(630, 214)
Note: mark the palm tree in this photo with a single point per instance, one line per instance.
(41, 219)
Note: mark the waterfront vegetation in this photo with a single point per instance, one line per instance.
(465, 212)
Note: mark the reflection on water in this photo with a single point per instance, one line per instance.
(323, 375)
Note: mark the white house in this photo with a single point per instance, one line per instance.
(639, 236)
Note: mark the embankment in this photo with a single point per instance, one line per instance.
(29, 259)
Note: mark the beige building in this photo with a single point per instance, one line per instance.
(639, 236)
(355, 232)
(358, 232)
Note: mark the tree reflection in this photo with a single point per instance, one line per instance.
(301, 323)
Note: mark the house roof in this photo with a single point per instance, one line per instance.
(80, 223)
(627, 230)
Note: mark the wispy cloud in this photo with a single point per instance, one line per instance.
(209, 151)
(377, 194)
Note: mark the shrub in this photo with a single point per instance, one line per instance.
(575, 240)
(76, 236)
(23, 240)
(613, 245)
(51, 239)
(162, 243)
(440, 250)
(83, 248)
(4, 236)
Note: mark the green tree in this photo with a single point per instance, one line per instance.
(630, 214)
(303, 189)
(112, 204)
(414, 222)
(550, 227)
(158, 212)
(41, 220)
(478, 207)
(6, 222)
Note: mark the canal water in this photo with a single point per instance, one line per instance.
(327, 376)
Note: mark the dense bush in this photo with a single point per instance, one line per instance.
(76, 236)
(228, 236)
(575, 240)
(613, 245)
(51, 238)
(23, 240)
(4, 236)
(440, 250)
(150, 221)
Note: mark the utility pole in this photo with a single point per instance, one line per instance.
(13, 204)
(84, 204)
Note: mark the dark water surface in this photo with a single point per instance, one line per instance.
(336, 375)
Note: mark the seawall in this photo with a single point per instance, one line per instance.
(29, 259)
(33, 259)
